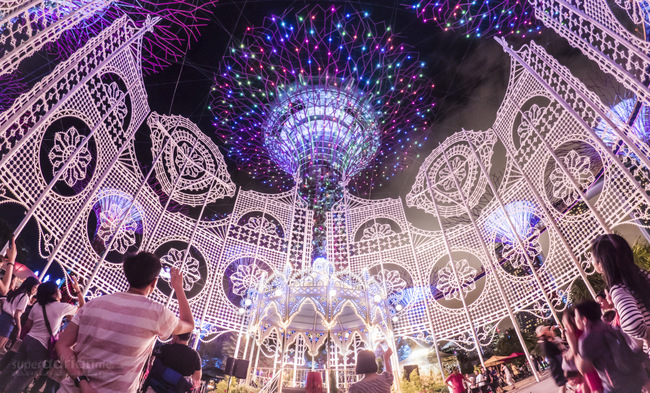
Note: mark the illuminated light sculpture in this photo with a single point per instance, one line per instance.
(118, 223)
(62, 27)
(322, 100)
(480, 18)
(325, 97)
(314, 308)
(178, 26)
(525, 223)
(627, 114)
(379, 260)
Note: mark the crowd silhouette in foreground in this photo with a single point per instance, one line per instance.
(603, 344)
(106, 346)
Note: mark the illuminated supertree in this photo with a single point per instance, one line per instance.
(626, 112)
(480, 18)
(324, 97)
(179, 25)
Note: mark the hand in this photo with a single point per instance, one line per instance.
(388, 352)
(176, 279)
(85, 387)
(12, 251)
(75, 285)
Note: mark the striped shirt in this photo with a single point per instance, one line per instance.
(634, 317)
(116, 335)
(380, 384)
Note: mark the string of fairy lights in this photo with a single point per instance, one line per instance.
(480, 18)
(328, 49)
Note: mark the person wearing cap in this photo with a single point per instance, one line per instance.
(373, 382)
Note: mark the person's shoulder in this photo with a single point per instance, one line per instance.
(63, 306)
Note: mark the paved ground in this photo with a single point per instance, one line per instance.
(546, 385)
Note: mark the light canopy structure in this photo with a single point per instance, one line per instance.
(512, 207)
(480, 18)
(321, 93)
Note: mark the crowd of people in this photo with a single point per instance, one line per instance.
(603, 344)
(487, 379)
(106, 344)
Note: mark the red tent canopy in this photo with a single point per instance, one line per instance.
(514, 355)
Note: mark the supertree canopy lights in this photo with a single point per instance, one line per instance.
(308, 126)
(325, 97)
(178, 26)
(480, 18)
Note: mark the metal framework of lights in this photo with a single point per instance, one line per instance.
(429, 286)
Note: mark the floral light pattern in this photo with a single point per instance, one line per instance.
(579, 168)
(261, 224)
(392, 280)
(65, 143)
(377, 231)
(513, 252)
(124, 235)
(246, 277)
(447, 283)
(446, 175)
(531, 120)
(193, 165)
(190, 268)
(116, 101)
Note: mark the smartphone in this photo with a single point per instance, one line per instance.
(165, 273)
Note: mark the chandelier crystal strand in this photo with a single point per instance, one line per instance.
(497, 277)
(547, 213)
(459, 285)
(527, 257)
(126, 214)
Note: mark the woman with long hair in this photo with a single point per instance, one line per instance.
(43, 323)
(14, 306)
(628, 285)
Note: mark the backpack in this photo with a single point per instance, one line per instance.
(163, 379)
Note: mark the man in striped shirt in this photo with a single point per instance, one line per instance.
(105, 346)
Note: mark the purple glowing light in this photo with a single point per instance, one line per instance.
(319, 75)
(480, 18)
(180, 21)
